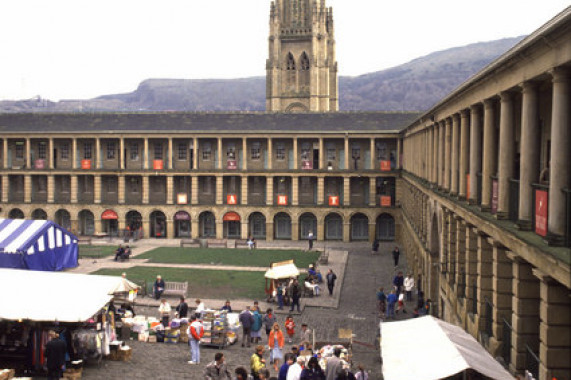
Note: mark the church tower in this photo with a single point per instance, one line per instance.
(301, 70)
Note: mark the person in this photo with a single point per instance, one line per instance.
(398, 282)
(241, 373)
(246, 320)
(290, 328)
(311, 271)
(391, 301)
(331, 277)
(396, 255)
(182, 309)
(362, 374)
(164, 311)
(334, 367)
(158, 287)
(195, 333)
(420, 302)
(311, 284)
(269, 320)
(276, 343)
(119, 252)
(319, 276)
(227, 306)
(313, 371)
(408, 286)
(375, 248)
(305, 334)
(427, 306)
(256, 306)
(280, 294)
(294, 370)
(401, 303)
(199, 308)
(382, 301)
(126, 253)
(264, 374)
(289, 360)
(251, 242)
(217, 369)
(257, 362)
(310, 240)
(295, 294)
(255, 332)
(55, 355)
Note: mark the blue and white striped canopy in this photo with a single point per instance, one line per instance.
(37, 245)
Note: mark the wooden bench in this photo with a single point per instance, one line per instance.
(324, 257)
(244, 243)
(221, 243)
(84, 240)
(175, 288)
(190, 243)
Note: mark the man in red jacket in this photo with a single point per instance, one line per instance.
(195, 332)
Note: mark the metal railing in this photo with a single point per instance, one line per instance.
(506, 341)
(531, 362)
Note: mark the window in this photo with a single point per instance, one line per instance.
(280, 151)
(257, 186)
(231, 151)
(158, 148)
(356, 152)
(381, 151)
(134, 184)
(304, 73)
(87, 151)
(134, 151)
(111, 185)
(20, 151)
(207, 185)
(232, 185)
(305, 186)
(65, 151)
(42, 184)
(110, 150)
(42, 151)
(291, 72)
(65, 183)
(331, 153)
(182, 151)
(206, 151)
(305, 151)
(255, 152)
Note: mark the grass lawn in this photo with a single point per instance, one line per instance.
(228, 256)
(96, 251)
(203, 283)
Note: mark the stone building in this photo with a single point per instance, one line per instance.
(486, 195)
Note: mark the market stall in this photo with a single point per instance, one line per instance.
(282, 270)
(452, 352)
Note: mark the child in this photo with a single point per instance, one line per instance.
(401, 303)
(290, 328)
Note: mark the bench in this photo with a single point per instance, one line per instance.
(175, 288)
(324, 257)
(190, 243)
(221, 243)
(84, 240)
(244, 243)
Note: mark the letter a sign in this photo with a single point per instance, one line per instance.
(231, 199)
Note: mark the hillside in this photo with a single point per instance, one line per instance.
(415, 85)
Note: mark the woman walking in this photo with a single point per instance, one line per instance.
(276, 342)
(256, 333)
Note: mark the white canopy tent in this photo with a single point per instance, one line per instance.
(428, 348)
(56, 296)
(282, 269)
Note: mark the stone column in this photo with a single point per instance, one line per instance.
(399, 151)
(219, 189)
(146, 191)
(475, 152)
(97, 153)
(219, 159)
(347, 162)
(346, 231)
(295, 191)
(554, 329)
(170, 166)
(194, 228)
(269, 230)
(194, 190)
(170, 191)
(122, 153)
(464, 153)
(484, 282)
(97, 189)
(5, 189)
(74, 153)
(525, 317)
(146, 154)
(489, 156)
(73, 189)
(560, 175)
(441, 147)
(447, 153)
(373, 155)
(270, 154)
(29, 163)
(28, 188)
(372, 191)
(506, 153)
(244, 154)
(51, 157)
(170, 228)
(435, 153)
(455, 154)
(195, 153)
(295, 156)
(269, 191)
(320, 191)
(244, 194)
(244, 230)
(219, 229)
(501, 298)
(121, 189)
(5, 153)
(471, 266)
(430, 148)
(530, 144)
(347, 191)
(51, 189)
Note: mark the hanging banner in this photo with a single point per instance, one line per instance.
(181, 198)
(541, 198)
(231, 217)
(231, 199)
(86, 164)
(495, 194)
(385, 166)
(386, 201)
(307, 165)
(231, 165)
(333, 200)
(282, 200)
(109, 215)
(40, 164)
(157, 164)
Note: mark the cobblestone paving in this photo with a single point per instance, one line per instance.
(357, 311)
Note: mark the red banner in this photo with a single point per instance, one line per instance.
(333, 200)
(157, 164)
(109, 215)
(231, 165)
(181, 198)
(495, 195)
(282, 200)
(40, 164)
(231, 217)
(231, 199)
(86, 164)
(386, 201)
(307, 165)
(385, 166)
(541, 209)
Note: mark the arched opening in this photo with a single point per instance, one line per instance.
(39, 214)
(257, 225)
(134, 220)
(207, 225)
(385, 227)
(333, 227)
(232, 227)
(182, 224)
(109, 221)
(86, 223)
(290, 72)
(63, 218)
(282, 226)
(304, 73)
(158, 225)
(359, 227)
(16, 213)
(307, 223)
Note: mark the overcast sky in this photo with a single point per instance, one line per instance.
(64, 49)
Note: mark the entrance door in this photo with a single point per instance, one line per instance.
(111, 227)
(333, 227)
(232, 229)
(183, 228)
(359, 227)
(283, 226)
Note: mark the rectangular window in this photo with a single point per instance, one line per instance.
(206, 151)
(87, 151)
(231, 151)
(280, 151)
(42, 151)
(65, 185)
(110, 150)
(256, 186)
(134, 151)
(182, 152)
(331, 153)
(65, 151)
(255, 150)
(381, 151)
(305, 186)
(42, 184)
(19, 151)
(356, 152)
(305, 151)
(207, 186)
(134, 185)
(158, 147)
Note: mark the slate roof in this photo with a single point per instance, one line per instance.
(185, 122)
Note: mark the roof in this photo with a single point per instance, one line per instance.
(452, 351)
(193, 122)
(282, 269)
(19, 235)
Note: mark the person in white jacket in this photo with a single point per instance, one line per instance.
(408, 286)
(294, 370)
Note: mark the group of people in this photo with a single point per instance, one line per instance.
(391, 304)
(122, 253)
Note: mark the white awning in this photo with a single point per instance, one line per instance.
(428, 348)
(284, 269)
(55, 296)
